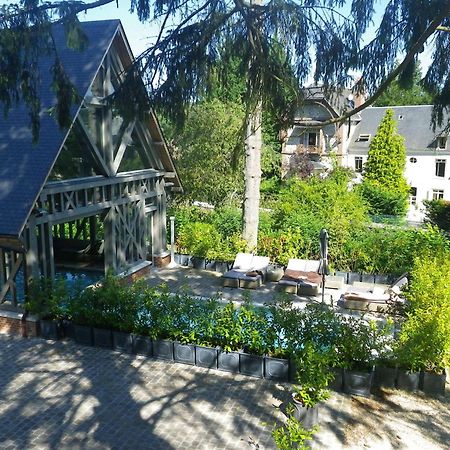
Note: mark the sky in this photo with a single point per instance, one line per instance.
(140, 35)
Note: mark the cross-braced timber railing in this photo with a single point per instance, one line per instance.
(10, 265)
(63, 201)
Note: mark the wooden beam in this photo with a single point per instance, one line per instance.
(97, 157)
(124, 141)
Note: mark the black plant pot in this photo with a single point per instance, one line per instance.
(51, 329)
(433, 384)
(206, 357)
(102, 337)
(67, 328)
(210, 264)
(198, 263)
(142, 345)
(184, 353)
(309, 417)
(123, 342)
(358, 382)
(221, 266)
(163, 349)
(336, 383)
(385, 377)
(408, 381)
(368, 278)
(276, 368)
(83, 334)
(184, 260)
(252, 365)
(228, 361)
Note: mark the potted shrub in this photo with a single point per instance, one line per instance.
(312, 377)
(359, 351)
(126, 312)
(46, 300)
(227, 336)
(254, 338)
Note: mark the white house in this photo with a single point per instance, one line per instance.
(309, 137)
(428, 152)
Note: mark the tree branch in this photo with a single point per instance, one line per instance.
(77, 8)
(416, 48)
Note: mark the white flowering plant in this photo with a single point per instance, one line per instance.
(364, 343)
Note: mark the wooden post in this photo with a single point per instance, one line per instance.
(32, 255)
(110, 240)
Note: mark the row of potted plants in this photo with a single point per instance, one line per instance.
(245, 336)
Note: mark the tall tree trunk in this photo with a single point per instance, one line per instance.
(252, 175)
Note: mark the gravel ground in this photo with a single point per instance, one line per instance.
(389, 420)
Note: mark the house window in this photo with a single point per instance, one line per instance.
(363, 138)
(312, 139)
(413, 160)
(441, 142)
(438, 194)
(358, 164)
(440, 168)
(413, 196)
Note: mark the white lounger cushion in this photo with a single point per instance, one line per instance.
(303, 265)
(243, 261)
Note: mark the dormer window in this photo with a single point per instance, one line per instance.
(441, 142)
(363, 138)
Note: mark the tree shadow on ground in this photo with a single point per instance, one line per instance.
(61, 395)
(393, 419)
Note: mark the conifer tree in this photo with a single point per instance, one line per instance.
(384, 182)
(280, 44)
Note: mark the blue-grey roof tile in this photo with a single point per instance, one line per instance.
(24, 167)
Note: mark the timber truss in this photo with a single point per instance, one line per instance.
(130, 206)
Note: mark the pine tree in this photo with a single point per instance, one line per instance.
(280, 44)
(384, 183)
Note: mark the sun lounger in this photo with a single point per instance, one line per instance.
(373, 297)
(248, 271)
(301, 277)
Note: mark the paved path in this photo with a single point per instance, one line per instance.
(59, 395)
(206, 283)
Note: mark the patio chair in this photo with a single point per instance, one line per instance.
(248, 271)
(373, 297)
(301, 277)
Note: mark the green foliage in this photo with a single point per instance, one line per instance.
(202, 239)
(437, 212)
(303, 207)
(313, 374)
(398, 95)
(107, 305)
(205, 149)
(383, 201)
(362, 343)
(227, 333)
(46, 298)
(425, 334)
(383, 177)
(390, 250)
(292, 435)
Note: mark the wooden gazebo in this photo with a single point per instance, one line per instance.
(95, 192)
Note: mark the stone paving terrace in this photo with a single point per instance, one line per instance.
(59, 395)
(205, 283)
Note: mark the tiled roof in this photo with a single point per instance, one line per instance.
(413, 123)
(24, 167)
